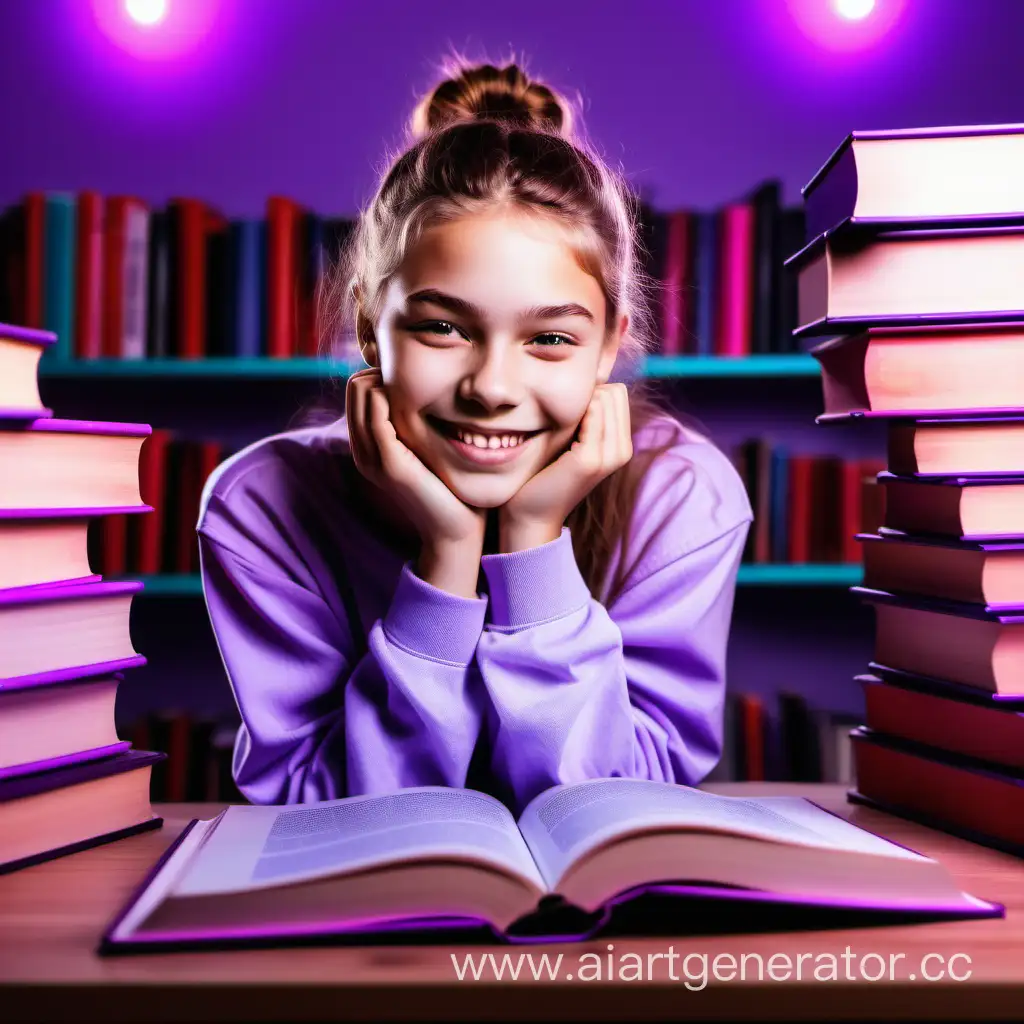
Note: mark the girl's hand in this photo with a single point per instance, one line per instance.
(536, 513)
(438, 516)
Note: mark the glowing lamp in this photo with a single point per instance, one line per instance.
(146, 12)
(854, 10)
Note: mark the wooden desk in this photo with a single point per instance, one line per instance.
(51, 917)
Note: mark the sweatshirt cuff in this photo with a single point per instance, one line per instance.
(535, 585)
(432, 623)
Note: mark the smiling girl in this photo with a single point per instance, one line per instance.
(499, 569)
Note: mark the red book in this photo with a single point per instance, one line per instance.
(35, 229)
(205, 457)
(750, 724)
(152, 482)
(190, 275)
(736, 281)
(283, 220)
(675, 312)
(961, 795)
(113, 545)
(179, 727)
(851, 475)
(801, 472)
(89, 277)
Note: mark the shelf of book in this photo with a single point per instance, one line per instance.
(662, 367)
(751, 575)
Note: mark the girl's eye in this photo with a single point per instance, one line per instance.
(554, 340)
(435, 327)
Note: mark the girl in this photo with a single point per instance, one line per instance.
(500, 569)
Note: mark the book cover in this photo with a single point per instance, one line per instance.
(59, 248)
(1005, 614)
(941, 687)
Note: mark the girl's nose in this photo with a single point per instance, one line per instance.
(495, 380)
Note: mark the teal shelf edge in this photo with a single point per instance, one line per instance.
(789, 365)
(810, 575)
(749, 575)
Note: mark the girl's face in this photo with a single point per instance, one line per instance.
(491, 342)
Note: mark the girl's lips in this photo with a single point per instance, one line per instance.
(481, 456)
(488, 456)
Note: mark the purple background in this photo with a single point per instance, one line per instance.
(697, 100)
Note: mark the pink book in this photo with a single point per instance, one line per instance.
(851, 279)
(21, 349)
(65, 448)
(736, 276)
(59, 632)
(945, 175)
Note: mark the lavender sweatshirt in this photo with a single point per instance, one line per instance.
(352, 675)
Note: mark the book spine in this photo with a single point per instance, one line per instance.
(282, 296)
(675, 285)
(780, 505)
(707, 283)
(134, 283)
(801, 469)
(190, 239)
(35, 241)
(736, 285)
(767, 269)
(89, 277)
(158, 286)
(59, 282)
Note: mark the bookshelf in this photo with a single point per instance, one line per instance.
(656, 367)
(750, 575)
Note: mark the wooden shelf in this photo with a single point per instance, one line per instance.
(750, 575)
(662, 367)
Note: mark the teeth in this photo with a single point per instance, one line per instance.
(494, 441)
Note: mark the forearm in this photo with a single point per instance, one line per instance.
(578, 693)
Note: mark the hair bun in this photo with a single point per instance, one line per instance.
(485, 92)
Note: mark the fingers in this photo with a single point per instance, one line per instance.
(357, 412)
(382, 430)
(616, 444)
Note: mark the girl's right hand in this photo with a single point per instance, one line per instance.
(439, 516)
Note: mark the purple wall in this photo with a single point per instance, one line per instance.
(698, 100)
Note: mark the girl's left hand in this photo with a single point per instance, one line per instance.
(537, 511)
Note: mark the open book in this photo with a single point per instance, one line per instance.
(435, 855)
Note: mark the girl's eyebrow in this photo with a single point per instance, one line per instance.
(466, 308)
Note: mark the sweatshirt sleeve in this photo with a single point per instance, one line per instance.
(579, 691)
(323, 716)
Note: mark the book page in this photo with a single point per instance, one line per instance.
(565, 822)
(257, 847)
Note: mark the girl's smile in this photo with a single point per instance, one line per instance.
(483, 446)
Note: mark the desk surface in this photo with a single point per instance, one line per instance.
(52, 915)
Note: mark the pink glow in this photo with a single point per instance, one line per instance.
(156, 29)
(845, 24)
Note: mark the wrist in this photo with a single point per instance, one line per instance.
(453, 566)
(520, 535)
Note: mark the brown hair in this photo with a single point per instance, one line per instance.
(489, 136)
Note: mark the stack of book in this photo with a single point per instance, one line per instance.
(917, 274)
(66, 781)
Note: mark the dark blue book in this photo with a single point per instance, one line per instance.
(246, 258)
(779, 503)
(707, 282)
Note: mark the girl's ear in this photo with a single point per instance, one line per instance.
(610, 350)
(367, 340)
